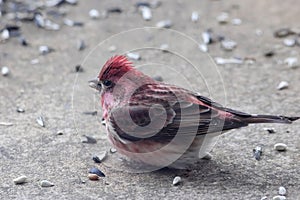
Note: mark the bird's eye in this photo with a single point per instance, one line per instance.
(107, 83)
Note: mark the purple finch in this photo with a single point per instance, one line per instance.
(159, 124)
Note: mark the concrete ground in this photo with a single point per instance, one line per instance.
(54, 90)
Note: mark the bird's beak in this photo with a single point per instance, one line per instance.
(94, 83)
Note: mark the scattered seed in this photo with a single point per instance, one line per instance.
(158, 78)
(20, 180)
(177, 180)
(20, 110)
(264, 198)
(34, 61)
(6, 124)
(96, 159)
(195, 16)
(283, 32)
(89, 140)
(206, 37)
(101, 157)
(45, 49)
(282, 85)
(113, 150)
(258, 32)
(164, 47)
(134, 56)
(281, 190)
(280, 147)
(269, 53)
(236, 21)
(112, 48)
(292, 62)
(46, 183)
(223, 18)
(4, 71)
(5, 34)
(223, 61)
(80, 45)
(146, 13)
(93, 177)
(203, 48)
(208, 156)
(114, 10)
(228, 45)
(278, 197)
(40, 121)
(60, 132)
(142, 4)
(70, 22)
(97, 171)
(90, 112)
(164, 24)
(94, 14)
(257, 152)
(270, 130)
(289, 42)
(78, 68)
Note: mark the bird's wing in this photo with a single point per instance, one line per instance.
(159, 111)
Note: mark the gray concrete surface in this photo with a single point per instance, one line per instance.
(47, 89)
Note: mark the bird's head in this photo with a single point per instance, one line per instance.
(112, 71)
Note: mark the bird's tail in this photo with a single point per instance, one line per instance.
(269, 119)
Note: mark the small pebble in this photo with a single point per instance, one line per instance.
(281, 191)
(280, 147)
(203, 48)
(6, 124)
(102, 156)
(134, 56)
(97, 171)
(195, 16)
(89, 140)
(94, 14)
(46, 183)
(158, 78)
(164, 47)
(289, 42)
(44, 50)
(40, 121)
(177, 180)
(223, 18)
(146, 13)
(208, 156)
(20, 180)
(20, 110)
(112, 48)
(59, 132)
(270, 130)
(278, 197)
(206, 37)
(22, 41)
(282, 85)
(292, 62)
(113, 150)
(228, 45)
(264, 198)
(223, 61)
(269, 53)
(164, 24)
(4, 71)
(93, 177)
(236, 21)
(80, 45)
(257, 152)
(283, 32)
(5, 34)
(78, 68)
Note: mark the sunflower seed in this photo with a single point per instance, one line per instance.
(20, 180)
(228, 45)
(114, 10)
(20, 110)
(40, 121)
(257, 152)
(97, 171)
(94, 14)
(280, 147)
(206, 37)
(93, 177)
(289, 42)
(164, 24)
(269, 53)
(113, 150)
(89, 140)
(4, 71)
(270, 130)
(195, 16)
(223, 18)
(146, 13)
(278, 197)
(177, 180)
(45, 49)
(46, 183)
(281, 191)
(203, 48)
(282, 85)
(80, 45)
(292, 62)
(134, 56)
